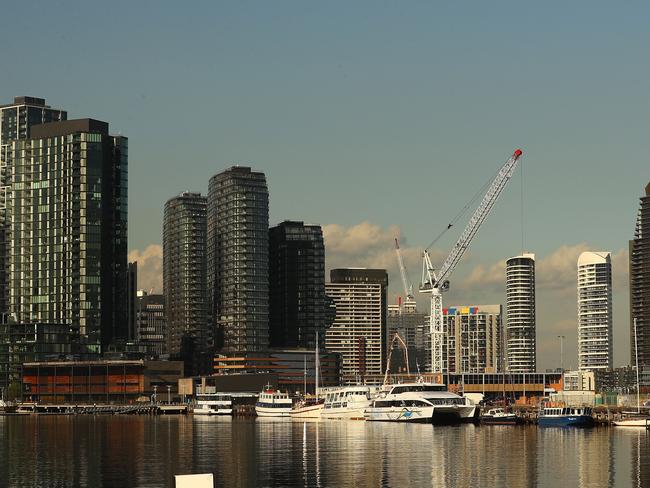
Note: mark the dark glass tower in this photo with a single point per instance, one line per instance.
(16, 121)
(67, 242)
(184, 271)
(296, 285)
(640, 282)
(238, 252)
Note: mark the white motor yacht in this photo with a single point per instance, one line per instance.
(420, 402)
(213, 404)
(348, 402)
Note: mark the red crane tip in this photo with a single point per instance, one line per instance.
(517, 153)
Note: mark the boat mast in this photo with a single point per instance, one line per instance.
(636, 357)
(317, 364)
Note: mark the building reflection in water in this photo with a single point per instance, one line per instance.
(148, 451)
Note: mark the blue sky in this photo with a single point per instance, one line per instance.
(381, 112)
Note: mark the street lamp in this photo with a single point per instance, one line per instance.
(561, 337)
(155, 390)
(169, 389)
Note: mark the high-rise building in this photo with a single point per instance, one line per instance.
(16, 121)
(520, 314)
(67, 242)
(296, 285)
(184, 272)
(359, 330)
(131, 296)
(150, 323)
(405, 320)
(473, 339)
(640, 282)
(238, 259)
(595, 340)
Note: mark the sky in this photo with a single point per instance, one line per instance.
(372, 119)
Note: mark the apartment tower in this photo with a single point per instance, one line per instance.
(296, 285)
(238, 259)
(639, 263)
(184, 271)
(520, 314)
(595, 340)
(67, 246)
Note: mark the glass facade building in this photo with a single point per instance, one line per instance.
(296, 285)
(16, 121)
(639, 248)
(67, 235)
(150, 323)
(184, 271)
(238, 259)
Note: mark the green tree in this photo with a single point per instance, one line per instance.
(14, 391)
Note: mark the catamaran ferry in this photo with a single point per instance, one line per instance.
(420, 402)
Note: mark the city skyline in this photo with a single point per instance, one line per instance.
(394, 113)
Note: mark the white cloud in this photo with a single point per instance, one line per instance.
(149, 267)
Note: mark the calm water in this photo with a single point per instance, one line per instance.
(111, 451)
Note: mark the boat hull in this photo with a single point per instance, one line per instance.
(436, 415)
(502, 420)
(221, 411)
(309, 412)
(272, 411)
(566, 421)
(642, 422)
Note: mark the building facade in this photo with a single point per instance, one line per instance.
(595, 339)
(67, 244)
(411, 325)
(359, 330)
(521, 342)
(296, 285)
(150, 329)
(639, 256)
(16, 121)
(131, 295)
(184, 272)
(238, 259)
(473, 339)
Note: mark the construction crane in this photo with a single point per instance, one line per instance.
(401, 342)
(436, 282)
(408, 287)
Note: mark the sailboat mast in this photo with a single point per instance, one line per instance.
(317, 364)
(636, 357)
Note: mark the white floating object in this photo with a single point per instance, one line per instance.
(194, 480)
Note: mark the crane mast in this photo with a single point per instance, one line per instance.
(408, 288)
(435, 283)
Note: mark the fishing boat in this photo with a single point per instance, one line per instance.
(273, 403)
(635, 419)
(499, 416)
(420, 402)
(555, 416)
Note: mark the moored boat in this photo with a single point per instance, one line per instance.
(633, 421)
(347, 402)
(498, 416)
(420, 402)
(565, 417)
(307, 408)
(213, 404)
(273, 403)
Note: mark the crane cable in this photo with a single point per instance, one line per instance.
(468, 205)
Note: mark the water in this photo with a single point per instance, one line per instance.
(108, 451)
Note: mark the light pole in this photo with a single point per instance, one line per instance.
(561, 337)
(155, 390)
(169, 389)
